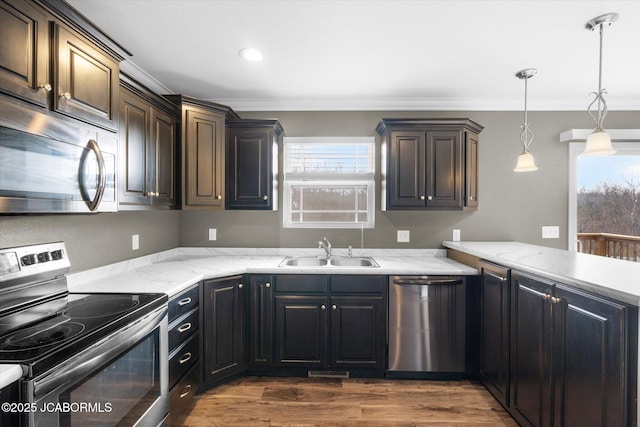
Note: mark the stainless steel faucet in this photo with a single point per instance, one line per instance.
(326, 245)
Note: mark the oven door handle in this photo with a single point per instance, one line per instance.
(101, 352)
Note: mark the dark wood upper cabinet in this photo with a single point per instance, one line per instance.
(54, 57)
(202, 150)
(147, 148)
(86, 80)
(430, 163)
(24, 43)
(252, 153)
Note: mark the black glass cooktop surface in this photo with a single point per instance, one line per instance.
(86, 319)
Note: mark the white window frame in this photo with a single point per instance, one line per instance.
(625, 141)
(322, 180)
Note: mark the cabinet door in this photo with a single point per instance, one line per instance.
(531, 350)
(357, 332)
(495, 330)
(24, 43)
(261, 321)
(162, 158)
(134, 125)
(203, 174)
(223, 328)
(249, 169)
(591, 381)
(301, 331)
(444, 169)
(86, 80)
(471, 143)
(406, 174)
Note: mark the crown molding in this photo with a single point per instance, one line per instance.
(132, 70)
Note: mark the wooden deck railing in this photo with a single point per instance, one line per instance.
(610, 245)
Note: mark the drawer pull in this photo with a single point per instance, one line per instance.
(187, 389)
(185, 358)
(185, 327)
(184, 301)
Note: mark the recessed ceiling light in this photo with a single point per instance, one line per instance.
(251, 54)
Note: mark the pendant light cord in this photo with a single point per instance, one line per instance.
(526, 136)
(599, 95)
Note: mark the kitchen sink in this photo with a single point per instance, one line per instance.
(307, 261)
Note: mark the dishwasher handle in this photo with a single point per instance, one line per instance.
(425, 281)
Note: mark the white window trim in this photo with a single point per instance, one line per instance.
(355, 179)
(625, 141)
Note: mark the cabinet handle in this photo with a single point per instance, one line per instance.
(323, 307)
(240, 285)
(184, 328)
(65, 95)
(545, 296)
(334, 307)
(421, 197)
(471, 197)
(430, 198)
(185, 358)
(186, 390)
(265, 197)
(46, 87)
(219, 196)
(503, 280)
(267, 285)
(555, 300)
(184, 301)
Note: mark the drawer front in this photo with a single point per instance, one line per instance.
(182, 329)
(186, 301)
(302, 283)
(184, 358)
(341, 284)
(181, 396)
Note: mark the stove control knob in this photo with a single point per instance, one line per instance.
(28, 259)
(56, 255)
(44, 257)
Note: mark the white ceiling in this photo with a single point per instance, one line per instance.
(380, 55)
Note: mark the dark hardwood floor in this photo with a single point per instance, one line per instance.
(266, 401)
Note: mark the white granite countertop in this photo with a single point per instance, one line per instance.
(9, 374)
(609, 277)
(172, 271)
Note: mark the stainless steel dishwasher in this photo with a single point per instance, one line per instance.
(427, 324)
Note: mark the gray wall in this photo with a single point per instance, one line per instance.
(512, 206)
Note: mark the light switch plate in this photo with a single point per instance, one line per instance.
(456, 234)
(135, 242)
(403, 236)
(213, 234)
(550, 232)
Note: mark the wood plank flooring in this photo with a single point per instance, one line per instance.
(301, 402)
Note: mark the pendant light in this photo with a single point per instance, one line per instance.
(599, 142)
(525, 160)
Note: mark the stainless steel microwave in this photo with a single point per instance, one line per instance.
(42, 174)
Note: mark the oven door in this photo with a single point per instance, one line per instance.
(43, 174)
(120, 381)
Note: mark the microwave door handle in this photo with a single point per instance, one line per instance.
(92, 203)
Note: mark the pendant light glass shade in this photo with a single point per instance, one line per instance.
(525, 162)
(599, 142)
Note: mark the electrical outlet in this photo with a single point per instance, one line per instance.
(403, 236)
(135, 242)
(456, 234)
(550, 232)
(213, 234)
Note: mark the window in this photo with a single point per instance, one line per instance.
(329, 182)
(603, 196)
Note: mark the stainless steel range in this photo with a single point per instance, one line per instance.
(87, 359)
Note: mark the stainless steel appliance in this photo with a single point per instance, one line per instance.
(427, 324)
(69, 173)
(88, 359)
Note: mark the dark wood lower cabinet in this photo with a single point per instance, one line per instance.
(357, 325)
(495, 329)
(260, 321)
(573, 356)
(301, 331)
(223, 327)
